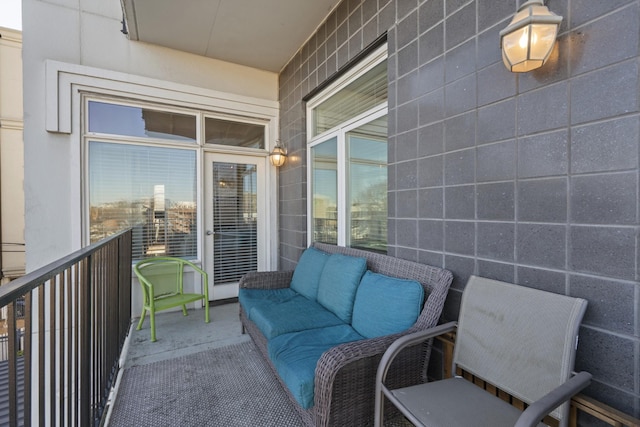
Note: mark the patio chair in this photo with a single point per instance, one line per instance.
(520, 340)
(161, 279)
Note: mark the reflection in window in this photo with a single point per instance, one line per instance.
(235, 134)
(324, 163)
(152, 189)
(367, 196)
(140, 122)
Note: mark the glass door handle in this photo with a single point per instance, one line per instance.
(210, 233)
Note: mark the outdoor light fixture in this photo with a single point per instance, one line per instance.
(278, 155)
(528, 40)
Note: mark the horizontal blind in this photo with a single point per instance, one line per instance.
(152, 190)
(357, 97)
(235, 216)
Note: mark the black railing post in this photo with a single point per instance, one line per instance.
(28, 348)
(52, 348)
(13, 389)
(76, 344)
(85, 343)
(41, 373)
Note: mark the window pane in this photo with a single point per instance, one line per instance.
(324, 161)
(235, 134)
(150, 189)
(140, 122)
(359, 96)
(367, 196)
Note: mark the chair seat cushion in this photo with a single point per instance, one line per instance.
(338, 284)
(250, 298)
(295, 314)
(306, 276)
(296, 355)
(455, 401)
(386, 305)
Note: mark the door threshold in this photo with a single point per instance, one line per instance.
(224, 301)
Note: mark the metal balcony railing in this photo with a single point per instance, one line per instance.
(66, 325)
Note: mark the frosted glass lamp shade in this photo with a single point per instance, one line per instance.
(278, 156)
(528, 40)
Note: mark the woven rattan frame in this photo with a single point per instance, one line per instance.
(345, 374)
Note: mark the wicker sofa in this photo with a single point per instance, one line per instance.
(344, 380)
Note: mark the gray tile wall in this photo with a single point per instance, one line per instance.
(528, 178)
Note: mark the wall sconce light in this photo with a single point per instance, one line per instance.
(528, 40)
(278, 155)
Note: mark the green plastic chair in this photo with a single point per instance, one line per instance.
(161, 279)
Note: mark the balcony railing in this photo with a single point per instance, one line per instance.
(66, 325)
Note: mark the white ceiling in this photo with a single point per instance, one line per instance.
(263, 34)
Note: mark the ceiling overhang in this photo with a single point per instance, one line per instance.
(262, 34)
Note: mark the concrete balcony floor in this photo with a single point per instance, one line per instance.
(179, 335)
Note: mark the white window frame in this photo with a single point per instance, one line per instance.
(64, 111)
(340, 131)
(234, 118)
(144, 140)
(199, 146)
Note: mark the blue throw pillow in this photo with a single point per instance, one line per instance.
(386, 305)
(306, 276)
(339, 282)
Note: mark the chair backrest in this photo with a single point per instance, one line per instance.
(521, 340)
(163, 273)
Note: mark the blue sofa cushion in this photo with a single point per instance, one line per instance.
(307, 273)
(296, 355)
(295, 314)
(250, 298)
(339, 282)
(385, 305)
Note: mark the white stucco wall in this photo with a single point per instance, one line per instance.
(87, 33)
